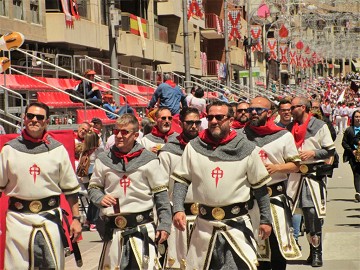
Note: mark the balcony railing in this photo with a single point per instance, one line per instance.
(161, 33)
(213, 21)
(212, 67)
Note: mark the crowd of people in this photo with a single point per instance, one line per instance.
(225, 192)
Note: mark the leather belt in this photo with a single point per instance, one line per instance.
(191, 209)
(276, 189)
(310, 168)
(34, 206)
(223, 212)
(130, 220)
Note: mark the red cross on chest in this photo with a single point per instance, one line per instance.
(34, 170)
(125, 183)
(263, 155)
(217, 173)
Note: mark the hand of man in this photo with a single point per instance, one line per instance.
(264, 231)
(179, 221)
(108, 201)
(306, 155)
(161, 236)
(272, 168)
(154, 149)
(75, 230)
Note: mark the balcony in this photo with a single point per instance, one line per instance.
(161, 33)
(215, 68)
(214, 27)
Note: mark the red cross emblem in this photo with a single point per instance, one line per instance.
(263, 155)
(34, 170)
(125, 183)
(217, 173)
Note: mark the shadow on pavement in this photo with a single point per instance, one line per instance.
(352, 209)
(353, 216)
(348, 225)
(341, 200)
(297, 262)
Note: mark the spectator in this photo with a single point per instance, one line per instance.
(170, 96)
(109, 105)
(87, 90)
(198, 101)
(2, 130)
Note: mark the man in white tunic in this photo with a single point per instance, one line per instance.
(222, 168)
(170, 157)
(315, 146)
(161, 132)
(127, 183)
(35, 170)
(280, 156)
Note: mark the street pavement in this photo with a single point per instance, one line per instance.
(341, 231)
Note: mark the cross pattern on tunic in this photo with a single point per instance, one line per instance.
(34, 170)
(217, 173)
(263, 155)
(125, 183)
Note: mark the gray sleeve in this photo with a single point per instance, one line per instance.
(263, 200)
(96, 195)
(179, 195)
(163, 210)
(324, 153)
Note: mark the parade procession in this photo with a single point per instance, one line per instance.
(179, 134)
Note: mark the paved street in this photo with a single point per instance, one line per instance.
(341, 229)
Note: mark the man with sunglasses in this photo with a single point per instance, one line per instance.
(35, 169)
(280, 156)
(224, 166)
(170, 157)
(161, 132)
(127, 184)
(241, 115)
(315, 146)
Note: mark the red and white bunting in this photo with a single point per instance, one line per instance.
(283, 48)
(298, 60)
(272, 48)
(256, 35)
(234, 23)
(195, 9)
(292, 54)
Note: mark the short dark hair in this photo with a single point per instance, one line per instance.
(187, 110)
(284, 101)
(40, 105)
(96, 120)
(199, 93)
(218, 102)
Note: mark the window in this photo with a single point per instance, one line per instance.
(34, 10)
(18, 9)
(3, 8)
(84, 8)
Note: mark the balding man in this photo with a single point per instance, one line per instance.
(315, 145)
(280, 156)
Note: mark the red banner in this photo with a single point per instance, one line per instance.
(272, 48)
(256, 35)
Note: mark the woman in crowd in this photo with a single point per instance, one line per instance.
(351, 143)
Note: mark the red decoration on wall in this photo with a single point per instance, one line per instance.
(272, 46)
(256, 35)
(292, 54)
(299, 45)
(234, 24)
(283, 48)
(283, 32)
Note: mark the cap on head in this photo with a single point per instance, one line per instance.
(90, 72)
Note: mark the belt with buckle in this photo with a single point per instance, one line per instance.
(276, 189)
(191, 209)
(223, 212)
(310, 168)
(33, 206)
(130, 220)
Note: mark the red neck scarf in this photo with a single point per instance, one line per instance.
(44, 137)
(299, 131)
(237, 125)
(206, 137)
(126, 157)
(182, 140)
(269, 128)
(156, 132)
(171, 83)
(76, 135)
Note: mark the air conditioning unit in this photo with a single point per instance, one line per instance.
(125, 21)
(176, 48)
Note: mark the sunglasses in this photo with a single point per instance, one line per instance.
(123, 132)
(241, 110)
(164, 118)
(257, 110)
(295, 106)
(218, 117)
(31, 116)
(192, 122)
